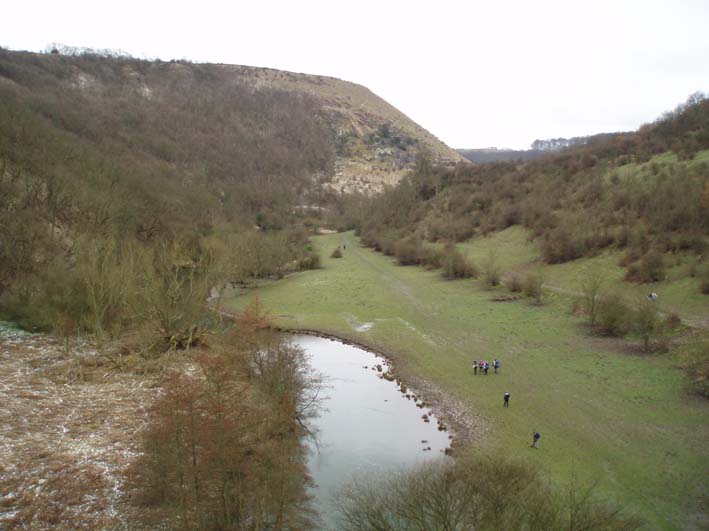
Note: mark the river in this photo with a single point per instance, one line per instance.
(367, 425)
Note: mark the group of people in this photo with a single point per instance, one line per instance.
(484, 366)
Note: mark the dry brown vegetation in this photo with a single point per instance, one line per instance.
(206, 440)
(68, 434)
(476, 494)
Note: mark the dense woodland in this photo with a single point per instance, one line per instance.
(103, 160)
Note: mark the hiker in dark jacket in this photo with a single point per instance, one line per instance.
(507, 399)
(536, 437)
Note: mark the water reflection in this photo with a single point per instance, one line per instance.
(367, 425)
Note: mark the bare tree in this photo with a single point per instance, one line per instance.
(591, 289)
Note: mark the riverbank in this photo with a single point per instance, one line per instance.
(464, 427)
(604, 413)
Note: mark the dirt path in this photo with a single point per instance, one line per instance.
(388, 279)
(66, 438)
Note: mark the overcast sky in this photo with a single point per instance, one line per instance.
(475, 74)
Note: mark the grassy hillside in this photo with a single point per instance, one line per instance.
(517, 253)
(635, 206)
(604, 413)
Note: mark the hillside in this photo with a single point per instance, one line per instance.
(643, 191)
(223, 120)
(484, 155)
(538, 149)
(97, 149)
(375, 143)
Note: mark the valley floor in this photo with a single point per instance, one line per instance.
(605, 412)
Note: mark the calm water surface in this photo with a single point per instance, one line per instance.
(367, 425)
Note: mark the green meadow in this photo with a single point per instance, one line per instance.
(605, 413)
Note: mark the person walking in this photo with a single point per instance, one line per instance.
(496, 364)
(487, 367)
(535, 441)
(507, 399)
(475, 366)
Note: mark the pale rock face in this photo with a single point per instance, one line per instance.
(376, 144)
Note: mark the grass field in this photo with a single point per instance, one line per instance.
(516, 253)
(603, 413)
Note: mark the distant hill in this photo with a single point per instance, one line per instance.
(483, 155)
(538, 149)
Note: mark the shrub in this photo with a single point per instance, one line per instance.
(613, 315)
(651, 268)
(630, 257)
(533, 286)
(408, 251)
(474, 494)
(455, 265)
(336, 253)
(386, 245)
(591, 289)
(310, 261)
(432, 258)
(672, 321)
(515, 284)
(645, 322)
(560, 246)
(697, 367)
(491, 270)
(704, 281)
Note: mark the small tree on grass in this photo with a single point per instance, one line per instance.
(408, 251)
(704, 281)
(533, 287)
(646, 322)
(651, 268)
(491, 269)
(455, 265)
(515, 284)
(613, 315)
(591, 289)
(697, 367)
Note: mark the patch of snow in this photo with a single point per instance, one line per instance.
(355, 324)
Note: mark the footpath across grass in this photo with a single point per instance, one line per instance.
(603, 414)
